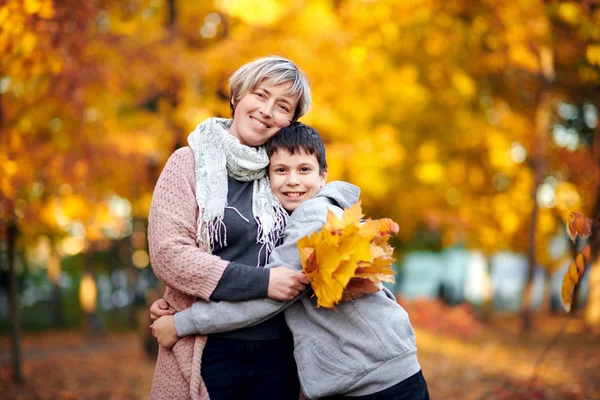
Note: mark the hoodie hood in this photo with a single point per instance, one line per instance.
(343, 193)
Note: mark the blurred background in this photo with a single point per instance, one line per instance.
(473, 124)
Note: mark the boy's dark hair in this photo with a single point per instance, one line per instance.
(296, 137)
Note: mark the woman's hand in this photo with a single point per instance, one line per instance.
(163, 329)
(285, 283)
(160, 308)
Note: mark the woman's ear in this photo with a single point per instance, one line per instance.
(232, 106)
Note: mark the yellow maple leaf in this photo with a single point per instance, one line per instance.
(347, 257)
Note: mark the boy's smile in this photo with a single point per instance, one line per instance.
(295, 178)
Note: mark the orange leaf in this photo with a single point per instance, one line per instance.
(579, 225)
(573, 276)
(357, 288)
(386, 225)
(566, 295)
(587, 253)
(574, 273)
(375, 274)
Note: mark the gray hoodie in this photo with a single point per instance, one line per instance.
(361, 347)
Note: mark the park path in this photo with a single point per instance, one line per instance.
(496, 364)
(69, 365)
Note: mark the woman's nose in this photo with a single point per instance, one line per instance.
(267, 109)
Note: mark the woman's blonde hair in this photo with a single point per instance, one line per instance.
(278, 70)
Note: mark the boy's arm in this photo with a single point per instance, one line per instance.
(205, 318)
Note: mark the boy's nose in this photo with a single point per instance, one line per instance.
(292, 180)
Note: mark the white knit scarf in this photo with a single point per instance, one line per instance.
(218, 154)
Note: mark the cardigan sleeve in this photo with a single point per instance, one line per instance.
(176, 259)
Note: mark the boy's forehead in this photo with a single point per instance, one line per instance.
(283, 154)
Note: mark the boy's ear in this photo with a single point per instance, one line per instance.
(323, 177)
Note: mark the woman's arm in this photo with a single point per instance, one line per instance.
(176, 259)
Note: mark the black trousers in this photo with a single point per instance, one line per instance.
(250, 369)
(413, 388)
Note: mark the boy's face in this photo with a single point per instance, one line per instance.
(295, 178)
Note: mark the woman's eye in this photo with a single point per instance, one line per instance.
(260, 95)
(284, 108)
(305, 169)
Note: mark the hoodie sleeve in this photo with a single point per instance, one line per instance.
(205, 318)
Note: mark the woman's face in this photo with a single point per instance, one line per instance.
(262, 112)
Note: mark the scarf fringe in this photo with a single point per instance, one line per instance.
(212, 232)
(270, 240)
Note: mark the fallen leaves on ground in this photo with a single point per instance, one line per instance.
(70, 365)
(436, 316)
(495, 364)
(498, 363)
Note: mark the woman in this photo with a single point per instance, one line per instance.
(213, 219)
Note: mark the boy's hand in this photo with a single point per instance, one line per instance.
(163, 329)
(160, 308)
(285, 283)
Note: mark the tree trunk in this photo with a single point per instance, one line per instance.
(54, 271)
(592, 311)
(93, 326)
(171, 20)
(13, 296)
(542, 119)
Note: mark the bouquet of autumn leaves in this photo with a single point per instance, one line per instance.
(348, 257)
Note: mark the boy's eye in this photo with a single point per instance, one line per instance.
(305, 169)
(259, 94)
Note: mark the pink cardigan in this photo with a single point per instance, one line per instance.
(187, 270)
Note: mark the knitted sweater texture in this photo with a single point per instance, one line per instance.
(188, 270)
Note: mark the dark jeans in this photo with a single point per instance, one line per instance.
(250, 369)
(413, 388)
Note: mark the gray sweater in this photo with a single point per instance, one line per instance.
(360, 347)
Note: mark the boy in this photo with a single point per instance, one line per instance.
(362, 349)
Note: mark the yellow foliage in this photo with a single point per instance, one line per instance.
(428, 151)
(509, 222)
(28, 42)
(430, 172)
(569, 12)
(523, 57)
(75, 207)
(32, 6)
(593, 54)
(315, 18)
(464, 84)
(347, 250)
(546, 222)
(264, 12)
(389, 79)
(476, 176)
